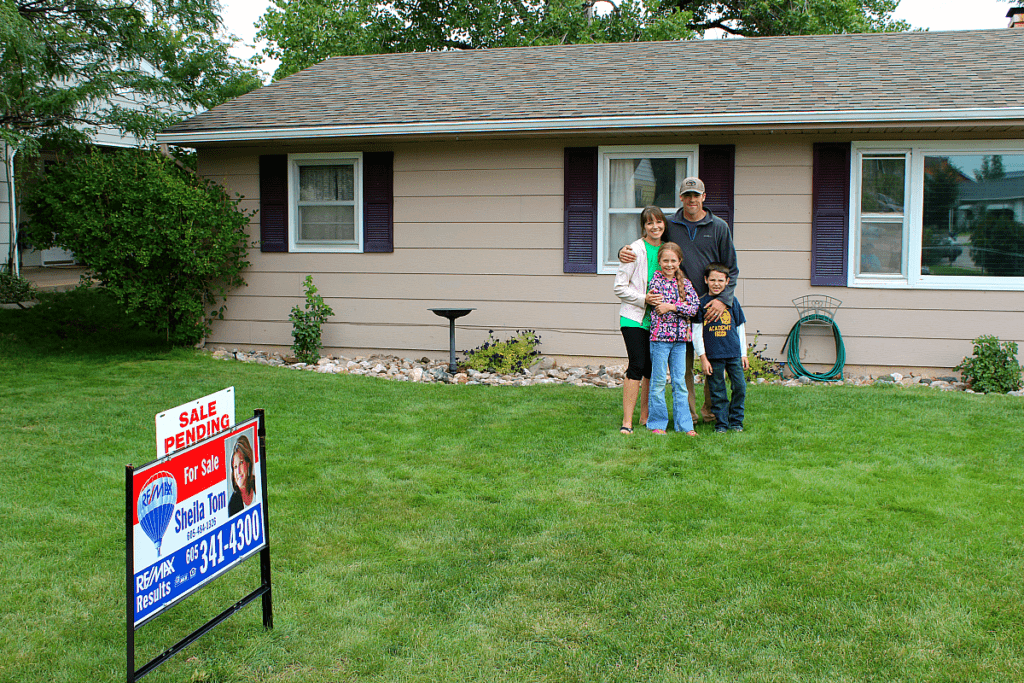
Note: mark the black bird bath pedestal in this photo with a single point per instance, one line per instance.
(451, 314)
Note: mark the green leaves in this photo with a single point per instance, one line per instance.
(165, 242)
(993, 368)
(67, 67)
(504, 357)
(307, 324)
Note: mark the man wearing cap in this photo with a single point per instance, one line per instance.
(704, 238)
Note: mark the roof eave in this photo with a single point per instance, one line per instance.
(599, 123)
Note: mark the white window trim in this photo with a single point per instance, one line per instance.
(914, 216)
(323, 159)
(604, 155)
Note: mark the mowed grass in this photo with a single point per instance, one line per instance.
(471, 533)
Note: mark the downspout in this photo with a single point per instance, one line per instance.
(13, 259)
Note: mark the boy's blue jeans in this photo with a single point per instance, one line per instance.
(668, 356)
(728, 413)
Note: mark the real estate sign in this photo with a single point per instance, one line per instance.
(197, 514)
(194, 421)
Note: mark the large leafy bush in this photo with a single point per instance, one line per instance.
(165, 242)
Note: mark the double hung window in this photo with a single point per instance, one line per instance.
(326, 202)
(630, 178)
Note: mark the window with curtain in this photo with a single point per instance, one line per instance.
(326, 204)
(630, 178)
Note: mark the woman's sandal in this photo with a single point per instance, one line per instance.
(692, 433)
(625, 430)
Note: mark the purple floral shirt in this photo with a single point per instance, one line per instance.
(673, 326)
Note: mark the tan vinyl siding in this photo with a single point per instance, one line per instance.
(479, 224)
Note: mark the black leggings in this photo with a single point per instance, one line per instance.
(638, 349)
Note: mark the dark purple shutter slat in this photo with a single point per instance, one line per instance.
(718, 171)
(830, 213)
(274, 202)
(378, 202)
(580, 219)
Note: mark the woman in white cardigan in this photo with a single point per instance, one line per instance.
(634, 315)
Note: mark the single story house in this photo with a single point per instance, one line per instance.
(505, 180)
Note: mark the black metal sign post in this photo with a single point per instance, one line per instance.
(264, 590)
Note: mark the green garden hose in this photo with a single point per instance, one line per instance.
(793, 357)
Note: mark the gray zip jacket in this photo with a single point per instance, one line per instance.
(711, 243)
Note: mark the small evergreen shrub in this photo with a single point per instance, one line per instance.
(307, 324)
(993, 369)
(504, 357)
(14, 289)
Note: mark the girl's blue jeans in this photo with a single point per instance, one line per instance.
(668, 357)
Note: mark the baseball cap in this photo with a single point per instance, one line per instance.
(691, 184)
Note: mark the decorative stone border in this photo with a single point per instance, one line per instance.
(545, 371)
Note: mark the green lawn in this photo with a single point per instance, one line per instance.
(473, 533)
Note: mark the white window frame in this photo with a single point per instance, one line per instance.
(913, 225)
(604, 156)
(295, 161)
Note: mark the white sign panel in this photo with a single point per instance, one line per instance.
(192, 422)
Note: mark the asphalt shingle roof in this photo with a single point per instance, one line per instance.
(841, 73)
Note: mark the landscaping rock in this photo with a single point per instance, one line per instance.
(545, 371)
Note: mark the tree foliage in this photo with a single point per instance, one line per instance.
(165, 242)
(792, 17)
(67, 67)
(304, 32)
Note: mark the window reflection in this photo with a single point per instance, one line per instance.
(973, 215)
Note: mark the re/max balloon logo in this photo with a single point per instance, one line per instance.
(156, 506)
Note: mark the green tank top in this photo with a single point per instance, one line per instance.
(652, 265)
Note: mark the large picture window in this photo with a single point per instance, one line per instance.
(938, 215)
(630, 178)
(326, 202)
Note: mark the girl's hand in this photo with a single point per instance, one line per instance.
(653, 298)
(662, 309)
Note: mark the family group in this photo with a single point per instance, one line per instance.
(677, 285)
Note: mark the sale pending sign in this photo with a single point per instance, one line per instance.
(183, 426)
(197, 513)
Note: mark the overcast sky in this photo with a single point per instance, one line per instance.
(936, 15)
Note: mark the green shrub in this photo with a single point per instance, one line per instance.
(761, 366)
(307, 324)
(993, 369)
(166, 243)
(14, 289)
(504, 357)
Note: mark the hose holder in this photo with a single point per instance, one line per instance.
(815, 309)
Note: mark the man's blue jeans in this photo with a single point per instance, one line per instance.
(728, 413)
(669, 356)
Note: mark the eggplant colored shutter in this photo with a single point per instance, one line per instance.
(274, 202)
(718, 171)
(378, 202)
(580, 218)
(830, 213)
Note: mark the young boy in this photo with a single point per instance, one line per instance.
(722, 347)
